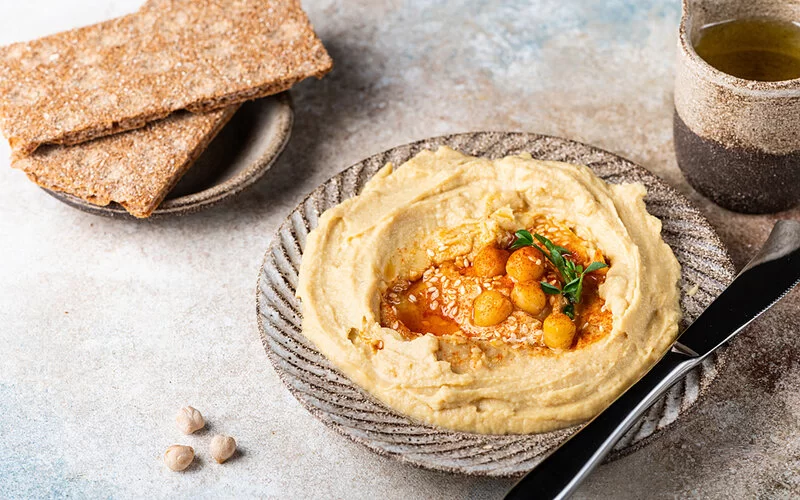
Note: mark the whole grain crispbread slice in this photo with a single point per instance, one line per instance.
(135, 169)
(118, 75)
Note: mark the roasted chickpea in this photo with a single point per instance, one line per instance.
(529, 297)
(559, 331)
(490, 308)
(490, 262)
(525, 264)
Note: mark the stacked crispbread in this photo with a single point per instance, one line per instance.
(95, 112)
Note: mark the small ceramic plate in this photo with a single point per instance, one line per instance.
(342, 405)
(240, 154)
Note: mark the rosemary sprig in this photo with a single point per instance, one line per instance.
(571, 274)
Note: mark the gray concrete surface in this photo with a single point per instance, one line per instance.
(107, 326)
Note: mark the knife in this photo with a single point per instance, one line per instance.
(767, 278)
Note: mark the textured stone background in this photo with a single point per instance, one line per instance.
(106, 326)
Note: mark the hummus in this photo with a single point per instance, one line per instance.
(389, 291)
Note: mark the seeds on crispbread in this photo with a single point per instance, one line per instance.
(135, 169)
(173, 54)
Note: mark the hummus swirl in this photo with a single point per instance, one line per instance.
(444, 206)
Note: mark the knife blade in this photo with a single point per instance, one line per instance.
(767, 278)
(770, 275)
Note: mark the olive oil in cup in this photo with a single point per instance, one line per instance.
(760, 48)
(736, 124)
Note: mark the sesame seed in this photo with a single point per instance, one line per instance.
(412, 298)
(462, 290)
(430, 252)
(434, 305)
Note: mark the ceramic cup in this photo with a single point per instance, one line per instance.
(737, 141)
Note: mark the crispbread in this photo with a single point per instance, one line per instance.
(118, 75)
(136, 169)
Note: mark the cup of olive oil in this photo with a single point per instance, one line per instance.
(756, 48)
(737, 102)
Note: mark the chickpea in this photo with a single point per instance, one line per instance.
(222, 447)
(178, 457)
(526, 264)
(490, 262)
(559, 331)
(529, 297)
(490, 308)
(189, 420)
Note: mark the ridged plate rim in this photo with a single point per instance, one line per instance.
(350, 411)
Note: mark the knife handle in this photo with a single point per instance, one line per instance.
(560, 473)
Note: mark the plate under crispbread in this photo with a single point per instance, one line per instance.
(199, 55)
(135, 169)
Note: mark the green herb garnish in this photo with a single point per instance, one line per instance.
(524, 239)
(571, 274)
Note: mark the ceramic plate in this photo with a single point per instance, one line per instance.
(240, 154)
(339, 403)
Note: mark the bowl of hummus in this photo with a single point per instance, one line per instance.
(464, 303)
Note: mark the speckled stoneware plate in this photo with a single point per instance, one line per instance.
(330, 396)
(240, 154)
